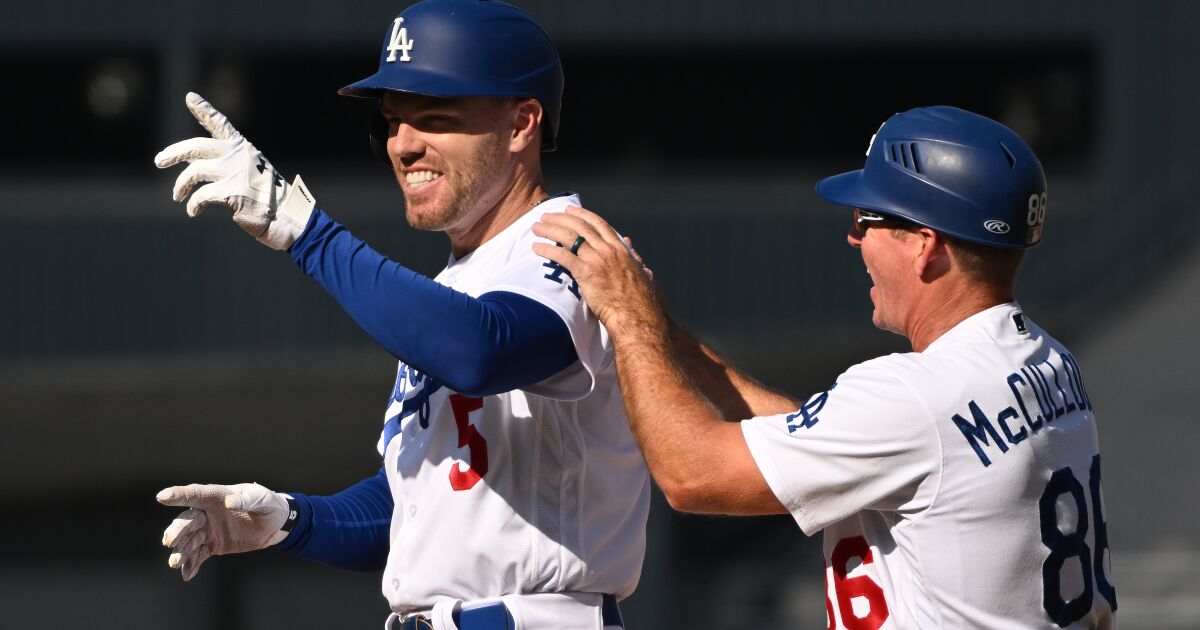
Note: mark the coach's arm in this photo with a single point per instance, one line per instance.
(735, 394)
(700, 461)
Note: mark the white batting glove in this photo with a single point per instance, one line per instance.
(222, 520)
(237, 175)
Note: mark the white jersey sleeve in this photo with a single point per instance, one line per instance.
(843, 452)
(957, 487)
(550, 284)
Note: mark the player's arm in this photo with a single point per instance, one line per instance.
(701, 462)
(496, 343)
(348, 530)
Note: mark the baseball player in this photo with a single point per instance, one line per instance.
(512, 493)
(958, 485)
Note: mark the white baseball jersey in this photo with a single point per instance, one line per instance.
(957, 487)
(531, 491)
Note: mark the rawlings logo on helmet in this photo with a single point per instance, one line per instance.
(996, 226)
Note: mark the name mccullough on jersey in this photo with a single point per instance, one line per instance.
(957, 487)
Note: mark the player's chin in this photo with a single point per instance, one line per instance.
(420, 223)
(423, 214)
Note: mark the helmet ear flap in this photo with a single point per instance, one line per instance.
(378, 130)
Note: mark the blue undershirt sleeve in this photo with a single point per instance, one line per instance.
(347, 530)
(481, 346)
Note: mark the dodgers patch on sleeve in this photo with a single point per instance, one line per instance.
(807, 415)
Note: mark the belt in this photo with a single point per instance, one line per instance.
(497, 617)
(610, 613)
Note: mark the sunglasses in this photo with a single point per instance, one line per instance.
(864, 219)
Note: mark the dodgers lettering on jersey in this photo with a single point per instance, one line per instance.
(958, 487)
(410, 395)
(529, 491)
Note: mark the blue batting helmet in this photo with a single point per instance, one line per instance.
(953, 171)
(451, 48)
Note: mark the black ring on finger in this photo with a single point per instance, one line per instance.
(574, 248)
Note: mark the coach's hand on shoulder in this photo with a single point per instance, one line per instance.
(226, 169)
(221, 520)
(615, 282)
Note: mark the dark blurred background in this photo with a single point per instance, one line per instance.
(140, 349)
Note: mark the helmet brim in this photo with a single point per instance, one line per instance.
(427, 83)
(850, 189)
(415, 82)
(438, 86)
(367, 88)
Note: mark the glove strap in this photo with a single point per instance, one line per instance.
(293, 515)
(298, 206)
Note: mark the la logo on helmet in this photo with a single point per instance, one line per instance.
(399, 42)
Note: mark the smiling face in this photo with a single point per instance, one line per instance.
(451, 156)
(887, 256)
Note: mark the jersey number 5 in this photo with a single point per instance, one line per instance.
(1073, 545)
(464, 475)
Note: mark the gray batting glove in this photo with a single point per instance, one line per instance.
(237, 175)
(221, 520)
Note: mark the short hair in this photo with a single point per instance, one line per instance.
(994, 266)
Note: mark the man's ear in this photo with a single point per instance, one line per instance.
(932, 260)
(527, 125)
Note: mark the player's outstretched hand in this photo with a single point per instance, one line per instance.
(221, 520)
(615, 282)
(227, 170)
